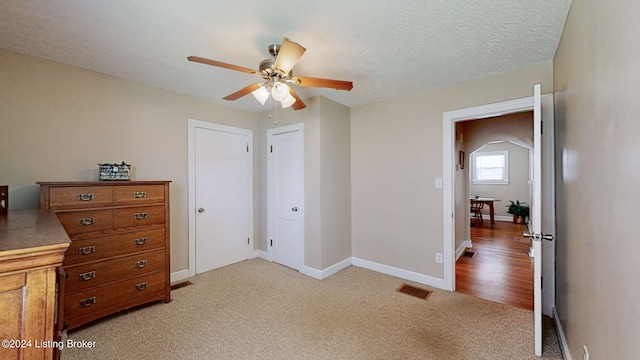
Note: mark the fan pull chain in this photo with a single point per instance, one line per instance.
(275, 109)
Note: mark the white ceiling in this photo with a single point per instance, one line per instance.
(387, 48)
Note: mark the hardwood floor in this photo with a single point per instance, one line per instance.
(501, 269)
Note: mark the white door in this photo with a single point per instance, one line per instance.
(223, 192)
(548, 206)
(542, 202)
(535, 220)
(286, 195)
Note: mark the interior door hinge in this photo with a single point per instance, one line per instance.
(247, 147)
(271, 147)
(271, 244)
(248, 242)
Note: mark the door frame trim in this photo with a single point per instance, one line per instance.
(449, 119)
(193, 124)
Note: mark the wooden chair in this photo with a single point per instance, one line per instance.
(476, 211)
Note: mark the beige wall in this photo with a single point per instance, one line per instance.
(327, 199)
(462, 231)
(396, 154)
(335, 183)
(596, 73)
(57, 122)
(514, 127)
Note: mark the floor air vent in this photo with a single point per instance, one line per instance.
(181, 285)
(414, 291)
(469, 254)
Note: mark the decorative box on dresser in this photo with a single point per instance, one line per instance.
(32, 245)
(119, 253)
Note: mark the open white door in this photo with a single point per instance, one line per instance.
(543, 194)
(535, 218)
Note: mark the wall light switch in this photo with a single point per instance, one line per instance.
(438, 183)
(439, 258)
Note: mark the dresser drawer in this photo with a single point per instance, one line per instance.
(80, 197)
(80, 222)
(98, 273)
(139, 194)
(99, 301)
(85, 250)
(138, 216)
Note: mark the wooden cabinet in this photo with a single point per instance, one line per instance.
(32, 245)
(119, 253)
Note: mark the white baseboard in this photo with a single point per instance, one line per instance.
(465, 244)
(400, 273)
(370, 265)
(566, 354)
(309, 271)
(262, 255)
(506, 218)
(179, 275)
(323, 274)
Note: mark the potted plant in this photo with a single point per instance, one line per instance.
(519, 210)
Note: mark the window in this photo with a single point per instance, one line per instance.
(490, 167)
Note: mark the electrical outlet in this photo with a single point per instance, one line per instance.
(439, 258)
(585, 353)
(438, 183)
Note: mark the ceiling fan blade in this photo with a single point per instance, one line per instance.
(242, 92)
(298, 105)
(288, 55)
(220, 64)
(323, 83)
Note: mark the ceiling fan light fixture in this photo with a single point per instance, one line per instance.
(280, 91)
(277, 74)
(288, 101)
(261, 94)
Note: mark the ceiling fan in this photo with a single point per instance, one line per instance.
(277, 74)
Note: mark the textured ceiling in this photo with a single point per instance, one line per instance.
(387, 48)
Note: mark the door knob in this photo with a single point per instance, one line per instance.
(537, 237)
(200, 210)
(295, 208)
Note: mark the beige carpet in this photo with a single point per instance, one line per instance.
(260, 310)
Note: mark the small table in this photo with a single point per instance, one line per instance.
(489, 202)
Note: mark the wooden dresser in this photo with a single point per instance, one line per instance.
(32, 245)
(119, 253)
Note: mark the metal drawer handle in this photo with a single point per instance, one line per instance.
(141, 286)
(87, 250)
(140, 194)
(140, 264)
(86, 221)
(140, 216)
(140, 241)
(88, 301)
(87, 276)
(85, 197)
